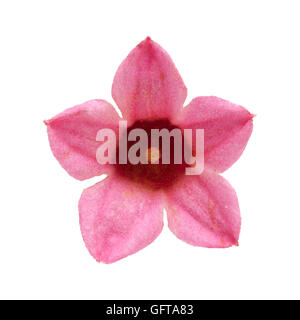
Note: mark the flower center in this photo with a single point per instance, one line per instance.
(154, 173)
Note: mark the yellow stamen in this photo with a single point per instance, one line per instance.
(153, 155)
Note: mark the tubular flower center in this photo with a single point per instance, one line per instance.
(156, 173)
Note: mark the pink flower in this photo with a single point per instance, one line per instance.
(124, 213)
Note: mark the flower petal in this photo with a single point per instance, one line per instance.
(147, 84)
(72, 137)
(227, 129)
(118, 219)
(203, 211)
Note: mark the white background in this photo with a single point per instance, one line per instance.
(56, 54)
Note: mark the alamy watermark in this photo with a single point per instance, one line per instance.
(142, 152)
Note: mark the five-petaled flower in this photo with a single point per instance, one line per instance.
(124, 213)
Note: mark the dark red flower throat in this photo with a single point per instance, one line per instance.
(153, 175)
